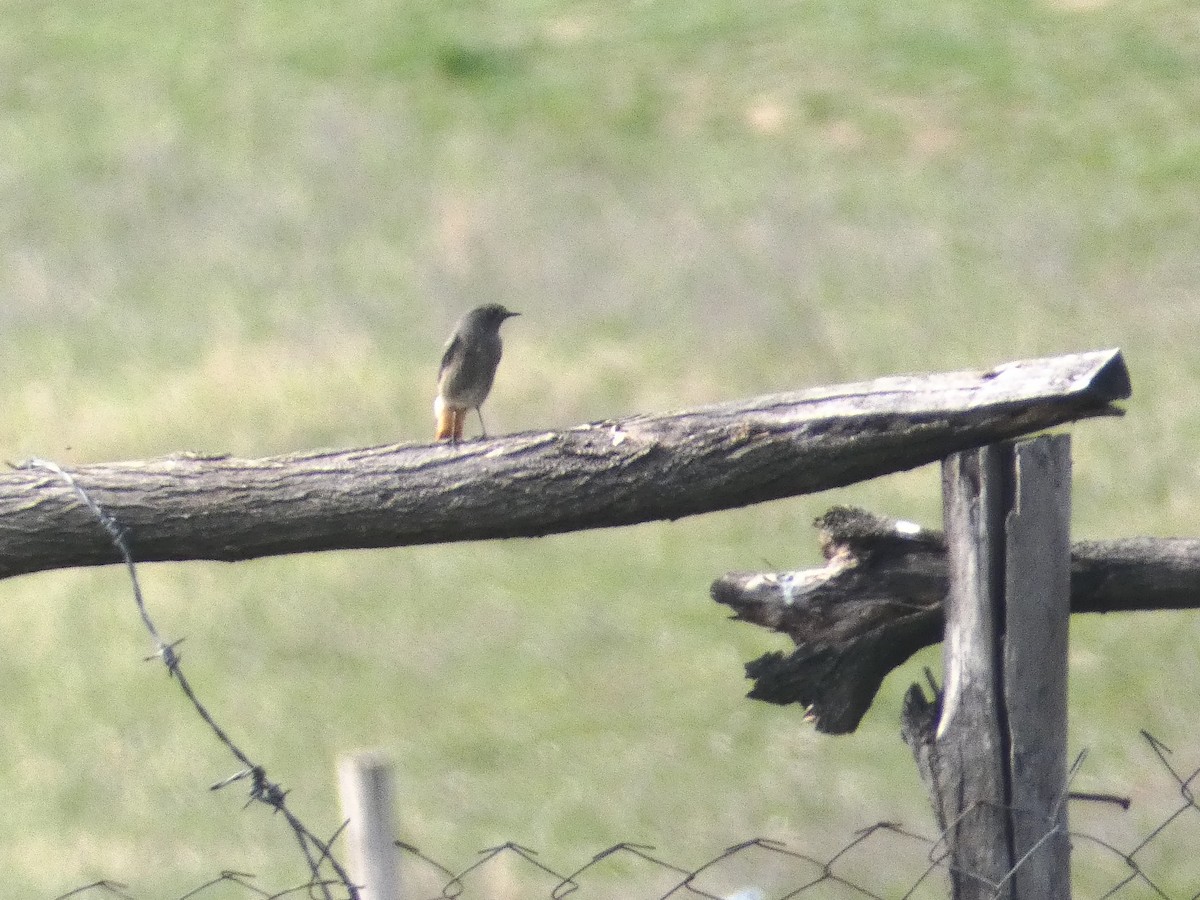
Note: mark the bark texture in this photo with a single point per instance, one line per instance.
(878, 600)
(604, 474)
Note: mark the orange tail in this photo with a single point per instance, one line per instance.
(450, 422)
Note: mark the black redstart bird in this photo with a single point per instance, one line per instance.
(468, 368)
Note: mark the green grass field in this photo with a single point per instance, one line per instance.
(248, 228)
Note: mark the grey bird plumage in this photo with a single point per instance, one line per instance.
(468, 369)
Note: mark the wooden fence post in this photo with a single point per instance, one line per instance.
(998, 760)
(1037, 616)
(365, 785)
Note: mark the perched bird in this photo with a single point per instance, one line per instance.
(468, 368)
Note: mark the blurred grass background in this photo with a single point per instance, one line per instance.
(248, 228)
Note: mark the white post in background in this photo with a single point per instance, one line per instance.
(365, 786)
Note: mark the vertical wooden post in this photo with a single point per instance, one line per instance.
(997, 763)
(970, 741)
(365, 786)
(1037, 614)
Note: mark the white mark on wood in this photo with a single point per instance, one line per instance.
(787, 585)
(758, 581)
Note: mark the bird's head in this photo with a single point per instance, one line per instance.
(491, 315)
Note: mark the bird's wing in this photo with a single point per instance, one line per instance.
(453, 348)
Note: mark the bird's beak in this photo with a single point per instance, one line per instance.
(509, 314)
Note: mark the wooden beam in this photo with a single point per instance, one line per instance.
(609, 473)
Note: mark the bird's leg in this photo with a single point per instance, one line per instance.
(482, 427)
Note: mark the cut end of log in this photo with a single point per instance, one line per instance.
(1111, 379)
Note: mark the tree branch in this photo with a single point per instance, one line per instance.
(878, 600)
(604, 474)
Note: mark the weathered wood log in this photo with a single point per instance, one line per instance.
(995, 760)
(1037, 596)
(878, 600)
(967, 751)
(604, 474)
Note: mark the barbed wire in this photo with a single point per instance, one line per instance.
(330, 881)
(316, 852)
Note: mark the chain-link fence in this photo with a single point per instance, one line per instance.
(885, 861)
